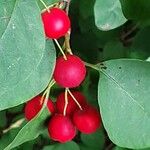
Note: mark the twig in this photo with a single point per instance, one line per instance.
(67, 43)
(66, 102)
(17, 124)
(60, 49)
(130, 31)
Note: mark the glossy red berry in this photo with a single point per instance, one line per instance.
(56, 23)
(69, 73)
(72, 106)
(87, 120)
(61, 128)
(33, 106)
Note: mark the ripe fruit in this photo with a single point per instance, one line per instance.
(33, 106)
(56, 23)
(72, 106)
(69, 73)
(87, 120)
(61, 128)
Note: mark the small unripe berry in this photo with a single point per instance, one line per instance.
(69, 73)
(72, 106)
(87, 120)
(56, 23)
(61, 128)
(33, 106)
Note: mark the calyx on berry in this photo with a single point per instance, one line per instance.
(56, 23)
(33, 106)
(69, 73)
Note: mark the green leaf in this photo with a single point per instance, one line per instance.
(90, 84)
(108, 14)
(123, 94)
(3, 121)
(26, 146)
(137, 11)
(140, 45)
(148, 59)
(26, 63)
(93, 141)
(9, 136)
(66, 146)
(86, 8)
(119, 148)
(114, 49)
(30, 131)
(16, 109)
(6, 9)
(47, 2)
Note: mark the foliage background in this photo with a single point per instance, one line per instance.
(102, 31)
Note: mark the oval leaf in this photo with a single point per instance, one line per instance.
(139, 12)
(26, 64)
(6, 9)
(108, 14)
(30, 131)
(66, 146)
(93, 141)
(124, 100)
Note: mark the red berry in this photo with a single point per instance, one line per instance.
(61, 128)
(72, 106)
(69, 73)
(56, 23)
(87, 120)
(33, 106)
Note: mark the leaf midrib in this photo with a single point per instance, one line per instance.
(124, 90)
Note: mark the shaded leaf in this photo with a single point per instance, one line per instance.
(3, 118)
(30, 131)
(113, 50)
(8, 137)
(138, 11)
(140, 45)
(66, 146)
(93, 141)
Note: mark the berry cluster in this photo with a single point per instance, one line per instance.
(62, 127)
(71, 112)
(71, 71)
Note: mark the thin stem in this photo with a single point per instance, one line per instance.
(67, 36)
(74, 99)
(68, 3)
(110, 146)
(50, 6)
(17, 124)
(130, 31)
(46, 98)
(45, 5)
(66, 102)
(52, 82)
(60, 49)
(67, 43)
(91, 66)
